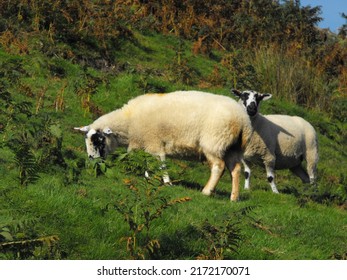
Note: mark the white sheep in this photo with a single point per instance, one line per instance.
(182, 123)
(278, 142)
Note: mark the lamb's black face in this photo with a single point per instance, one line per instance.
(251, 100)
(96, 144)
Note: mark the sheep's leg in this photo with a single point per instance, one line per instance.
(312, 159)
(301, 173)
(270, 173)
(235, 174)
(234, 166)
(312, 171)
(217, 168)
(166, 178)
(247, 175)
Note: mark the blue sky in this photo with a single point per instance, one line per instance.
(331, 12)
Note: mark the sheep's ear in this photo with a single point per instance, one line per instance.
(82, 128)
(266, 96)
(107, 130)
(236, 92)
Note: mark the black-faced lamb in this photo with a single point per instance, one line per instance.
(278, 142)
(182, 123)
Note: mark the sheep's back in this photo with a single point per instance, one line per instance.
(185, 121)
(293, 137)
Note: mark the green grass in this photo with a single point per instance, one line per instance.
(71, 203)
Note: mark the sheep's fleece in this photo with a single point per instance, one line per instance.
(183, 123)
(279, 142)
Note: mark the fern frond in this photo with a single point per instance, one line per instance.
(49, 241)
(28, 168)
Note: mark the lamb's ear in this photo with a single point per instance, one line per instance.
(236, 92)
(107, 130)
(82, 128)
(266, 96)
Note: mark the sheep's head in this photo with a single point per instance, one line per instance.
(99, 143)
(251, 100)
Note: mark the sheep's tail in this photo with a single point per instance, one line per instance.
(242, 134)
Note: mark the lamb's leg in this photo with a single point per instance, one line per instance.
(270, 173)
(301, 173)
(234, 166)
(217, 168)
(247, 175)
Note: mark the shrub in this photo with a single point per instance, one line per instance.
(142, 204)
(223, 237)
(291, 78)
(18, 239)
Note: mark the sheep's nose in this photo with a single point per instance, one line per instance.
(90, 157)
(252, 109)
(252, 106)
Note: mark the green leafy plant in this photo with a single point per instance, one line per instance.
(36, 248)
(18, 239)
(143, 204)
(96, 167)
(36, 147)
(222, 238)
(11, 110)
(180, 69)
(26, 163)
(138, 163)
(85, 88)
(45, 139)
(5, 234)
(73, 169)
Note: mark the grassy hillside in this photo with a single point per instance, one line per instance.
(56, 204)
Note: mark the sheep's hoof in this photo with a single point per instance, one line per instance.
(167, 180)
(206, 192)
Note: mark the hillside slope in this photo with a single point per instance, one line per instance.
(56, 204)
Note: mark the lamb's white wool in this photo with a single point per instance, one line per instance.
(183, 123)
(278, 142)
